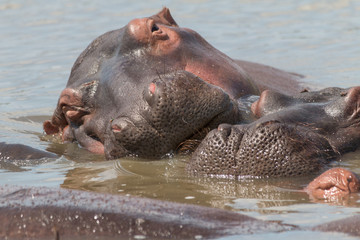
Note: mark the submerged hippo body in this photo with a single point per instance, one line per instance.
(13, 152)
(45, 213)
(298, 136)
(125, 96)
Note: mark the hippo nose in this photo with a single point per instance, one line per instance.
(224, 130)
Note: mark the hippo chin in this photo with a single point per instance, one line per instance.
(296, 140)
(145, 88)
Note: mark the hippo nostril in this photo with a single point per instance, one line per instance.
(149, 94)
(152, 88)
(116, 128)
(224, 130)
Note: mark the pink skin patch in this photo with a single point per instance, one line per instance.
(152, 88)
(115, 128)
(334, 183)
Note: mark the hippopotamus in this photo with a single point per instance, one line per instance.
(48, 213)
(295, 135)
(40, 212)
(145, 88)
(13, 152)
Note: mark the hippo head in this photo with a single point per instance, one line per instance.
(333, 184)
(295, 140)
(145, 88)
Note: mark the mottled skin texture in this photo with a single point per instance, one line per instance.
(43, 213)
(108, 98)
(296, 140)
(349, 226)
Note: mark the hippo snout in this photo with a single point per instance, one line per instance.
(260, 149)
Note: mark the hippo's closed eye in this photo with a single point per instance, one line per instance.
(154, 28)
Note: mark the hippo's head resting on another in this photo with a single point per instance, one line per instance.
(145, 88)
(295, 136)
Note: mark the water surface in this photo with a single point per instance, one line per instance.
(40, 41)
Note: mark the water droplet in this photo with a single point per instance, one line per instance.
(139, 237)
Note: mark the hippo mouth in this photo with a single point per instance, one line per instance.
(260, 149)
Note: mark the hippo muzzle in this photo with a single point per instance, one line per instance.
(175, 107)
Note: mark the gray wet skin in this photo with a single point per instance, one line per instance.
(45, 213)
(296, 140)
(124, 92)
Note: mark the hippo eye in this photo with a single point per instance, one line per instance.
(154, 28)
(343, 94)
(349, 179)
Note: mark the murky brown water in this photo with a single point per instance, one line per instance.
(41, 39)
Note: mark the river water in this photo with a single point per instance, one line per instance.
(40, 41)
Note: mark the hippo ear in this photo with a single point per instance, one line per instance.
(352, 100)
(164, 17)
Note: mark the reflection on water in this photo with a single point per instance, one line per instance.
(40, 41)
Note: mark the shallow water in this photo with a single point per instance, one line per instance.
(40, 41)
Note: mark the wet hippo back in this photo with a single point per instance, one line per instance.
(33, 213)
(22, 152)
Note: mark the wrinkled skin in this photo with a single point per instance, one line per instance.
(124, 95)
(334, 183)
(45, 213)
(299, 139)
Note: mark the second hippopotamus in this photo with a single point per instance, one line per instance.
(295, 136)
